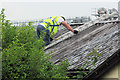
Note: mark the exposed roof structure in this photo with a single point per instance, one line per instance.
(95, 34)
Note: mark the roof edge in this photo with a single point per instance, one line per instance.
(105, 66)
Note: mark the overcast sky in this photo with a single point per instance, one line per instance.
(37, 9)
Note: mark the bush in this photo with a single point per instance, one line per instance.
(23, 54)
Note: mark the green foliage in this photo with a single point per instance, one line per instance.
(30, 23)
(0, 45)
(81, 74)
(94, 55)
(94, 52)
(9, 32)
(23, 54)
(0, 32)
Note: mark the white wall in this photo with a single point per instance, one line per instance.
(114, 72)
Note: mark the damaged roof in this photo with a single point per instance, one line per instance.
(102, 35)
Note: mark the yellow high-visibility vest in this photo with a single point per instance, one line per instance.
(52, 24)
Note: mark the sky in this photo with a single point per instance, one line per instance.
(37, 9)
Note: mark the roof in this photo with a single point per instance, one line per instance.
(75, 48)
(105, 66)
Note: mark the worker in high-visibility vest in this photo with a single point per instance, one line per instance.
(51, 26)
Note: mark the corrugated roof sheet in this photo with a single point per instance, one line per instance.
(76, 48)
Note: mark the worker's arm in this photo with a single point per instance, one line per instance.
(68, 27)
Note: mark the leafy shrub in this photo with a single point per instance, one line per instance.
(0, 47)
(23, 54)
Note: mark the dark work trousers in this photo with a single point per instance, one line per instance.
(40, 30)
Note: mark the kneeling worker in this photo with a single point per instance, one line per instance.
(51, 25)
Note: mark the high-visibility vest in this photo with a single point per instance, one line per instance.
(52, 24)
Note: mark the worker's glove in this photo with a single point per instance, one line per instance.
(51, 39)
(75, 32)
